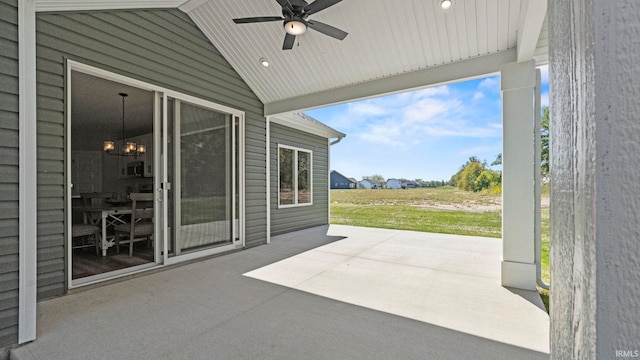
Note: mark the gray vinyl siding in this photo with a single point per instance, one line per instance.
(9, 164)
(300, 217)
(162, 47)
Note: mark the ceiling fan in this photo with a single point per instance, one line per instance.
(294, 17)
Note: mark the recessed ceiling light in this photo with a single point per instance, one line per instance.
(264, 62)
(446, 5)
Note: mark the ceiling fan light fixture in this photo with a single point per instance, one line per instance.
(295, 26)
(446, 5)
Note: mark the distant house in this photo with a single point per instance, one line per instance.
(409, 184)
(339, 181)
(394, 184)
(368, 184)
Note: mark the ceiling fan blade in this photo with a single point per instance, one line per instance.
(257, 19)
(327, 29)
(319, 5)
(286, 5)
(289, 40)
(300, 3)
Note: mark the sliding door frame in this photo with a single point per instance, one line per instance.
(237, 232)
(160, 175)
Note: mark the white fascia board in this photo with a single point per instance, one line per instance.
(297, 122)
(191, 5)
(27, 267)
(86, 5)
(529, 27)
(438, 75)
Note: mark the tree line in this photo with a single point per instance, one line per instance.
(379, 179)
(475, 175)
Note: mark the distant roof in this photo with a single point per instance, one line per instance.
(350, 179)
(306, 123)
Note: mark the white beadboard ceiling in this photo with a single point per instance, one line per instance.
(386, 39)
(393, 45)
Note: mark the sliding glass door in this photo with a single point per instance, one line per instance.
(186, 151)
(202, 177)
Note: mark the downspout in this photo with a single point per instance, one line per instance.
(537, 184)
(329, 176)
(268, 175)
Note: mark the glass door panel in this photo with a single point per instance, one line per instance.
(200, 159)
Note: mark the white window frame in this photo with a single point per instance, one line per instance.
(295, 178)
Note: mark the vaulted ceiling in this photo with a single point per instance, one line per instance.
(392, 45)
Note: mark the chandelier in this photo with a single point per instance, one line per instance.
(129, 148)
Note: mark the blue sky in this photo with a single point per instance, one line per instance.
(425, 134)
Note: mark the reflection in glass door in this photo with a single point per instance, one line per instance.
(201, 163)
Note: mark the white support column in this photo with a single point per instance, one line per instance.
(518, 204)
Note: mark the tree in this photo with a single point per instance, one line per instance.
(376, 178)
(544, 140)
(474, 176)
(466, 180)
(498, 160)
(544, 137)
(487, 180)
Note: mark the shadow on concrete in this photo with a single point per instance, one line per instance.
(530, 296)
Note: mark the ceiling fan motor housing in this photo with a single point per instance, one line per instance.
(295, 25)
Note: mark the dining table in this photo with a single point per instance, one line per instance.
(106, 216)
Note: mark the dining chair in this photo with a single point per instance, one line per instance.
(141, 225)
(86, 231)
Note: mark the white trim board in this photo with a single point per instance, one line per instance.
(28, 243)
(85, 5)
(438, 75)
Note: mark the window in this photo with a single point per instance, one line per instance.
(294, 176)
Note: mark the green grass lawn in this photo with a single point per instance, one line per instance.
(445, 210)
(408, 217)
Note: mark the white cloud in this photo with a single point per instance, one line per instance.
(544, 99)
(366, 108)
(544, 74)
(428, 109)
(418, 117)
(490, 84)
(383, 134)
(479, 95)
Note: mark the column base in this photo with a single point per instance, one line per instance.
(519, 275)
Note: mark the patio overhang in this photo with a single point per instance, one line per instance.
(390, 48)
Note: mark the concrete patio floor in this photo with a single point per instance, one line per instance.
(335, 292)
